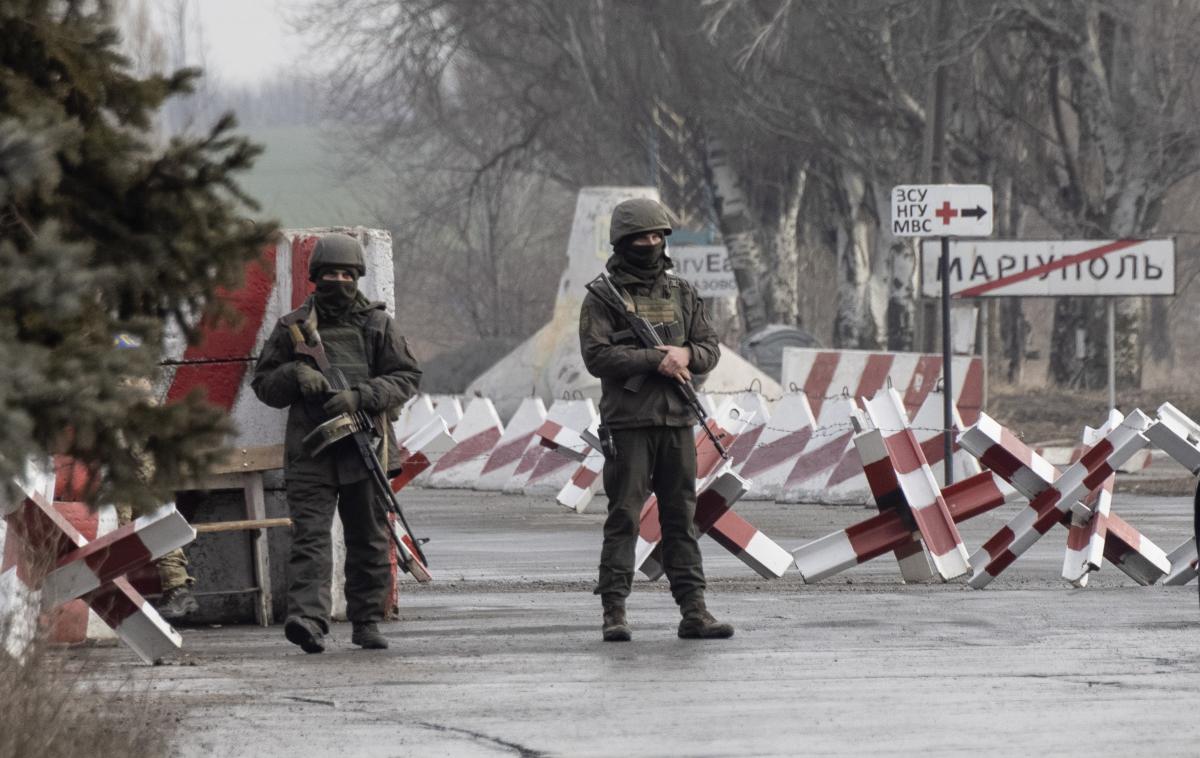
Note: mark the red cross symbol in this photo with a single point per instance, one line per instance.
(945, 213)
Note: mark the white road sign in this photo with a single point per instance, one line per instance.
(705, 267)
(1048, 268)
(942, 210)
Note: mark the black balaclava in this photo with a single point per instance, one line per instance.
(642, 264)
(335, 299)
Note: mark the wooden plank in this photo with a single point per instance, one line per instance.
(247, 459)
(235, 526)
(256, 509)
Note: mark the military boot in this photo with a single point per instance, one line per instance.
(177, 603)
(615, 628)
(305, 633)
(366, 635)
(699, 624)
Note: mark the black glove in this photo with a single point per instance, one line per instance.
(313, 383)
(346, 401)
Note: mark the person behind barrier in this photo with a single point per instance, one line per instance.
(648, 432)
(177, 601)
(366, 344)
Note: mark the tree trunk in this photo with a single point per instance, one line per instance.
(783, 254)
(896, 260)
(740, 232)
(854, 325)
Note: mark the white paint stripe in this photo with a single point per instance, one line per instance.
(148, 635)
(1182, 561)
(766, 556)
(825, 557)
(642, 560)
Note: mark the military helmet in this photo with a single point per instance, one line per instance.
(336, 250)
(637, 216)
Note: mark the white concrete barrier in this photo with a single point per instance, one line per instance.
(553, 469)
(518, 436)
(476, 435)
(782, 440)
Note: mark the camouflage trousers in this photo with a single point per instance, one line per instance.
(172, 567)
(662, 460)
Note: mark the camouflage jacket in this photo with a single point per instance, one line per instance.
(613, 355)
(394, 378)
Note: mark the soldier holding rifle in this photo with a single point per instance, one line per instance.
(646, 418)
(364, 345)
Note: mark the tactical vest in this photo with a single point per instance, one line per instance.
(665, 312)
(347, 350)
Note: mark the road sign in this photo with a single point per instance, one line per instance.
(942, 210)
(1051, 268)
(705, 267)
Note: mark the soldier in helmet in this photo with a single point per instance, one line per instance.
(365, 343)
(651, 428)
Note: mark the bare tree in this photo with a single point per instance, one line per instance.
(1116, 130)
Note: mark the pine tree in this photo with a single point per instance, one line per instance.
(103, 232)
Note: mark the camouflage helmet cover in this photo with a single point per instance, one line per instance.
(337, 250)
(639, 215)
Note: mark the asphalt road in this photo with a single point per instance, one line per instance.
(501, 655)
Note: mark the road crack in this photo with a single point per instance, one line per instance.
(521, 750)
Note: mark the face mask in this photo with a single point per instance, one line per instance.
(644, 256)
(336, 294)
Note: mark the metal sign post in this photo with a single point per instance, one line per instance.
(947, 365)
(1112, 352)
(943, 210)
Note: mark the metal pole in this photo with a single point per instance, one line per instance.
(985, 317)
(1112, 352)
(947, 354)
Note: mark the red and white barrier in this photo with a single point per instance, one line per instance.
(1183, 561)
(1001, 451)
(38, 525)
(1053, 499)
(885, 489)
(117, 553)
(449, 407)
(782, 440)
(918, 485)
(824, 374)
(737, 535)
(1176, 435)
(1086, 535)
(759, 411)
(417, 412)
(826, 467)
(420, 450)
(563, 447)
(718, 488)
(579, 490)
(888, 531)
(1063, 456)
(502, 463)
(927, 426)
(476, 436)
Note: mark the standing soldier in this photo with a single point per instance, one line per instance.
(365, 343)
(653, 447)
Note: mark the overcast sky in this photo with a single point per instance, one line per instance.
(249, 40)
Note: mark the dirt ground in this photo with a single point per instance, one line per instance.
(501, 655)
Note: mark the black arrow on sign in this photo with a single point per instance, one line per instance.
(976, 212)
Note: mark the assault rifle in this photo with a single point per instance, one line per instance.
(606, 292)
(358, 427)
